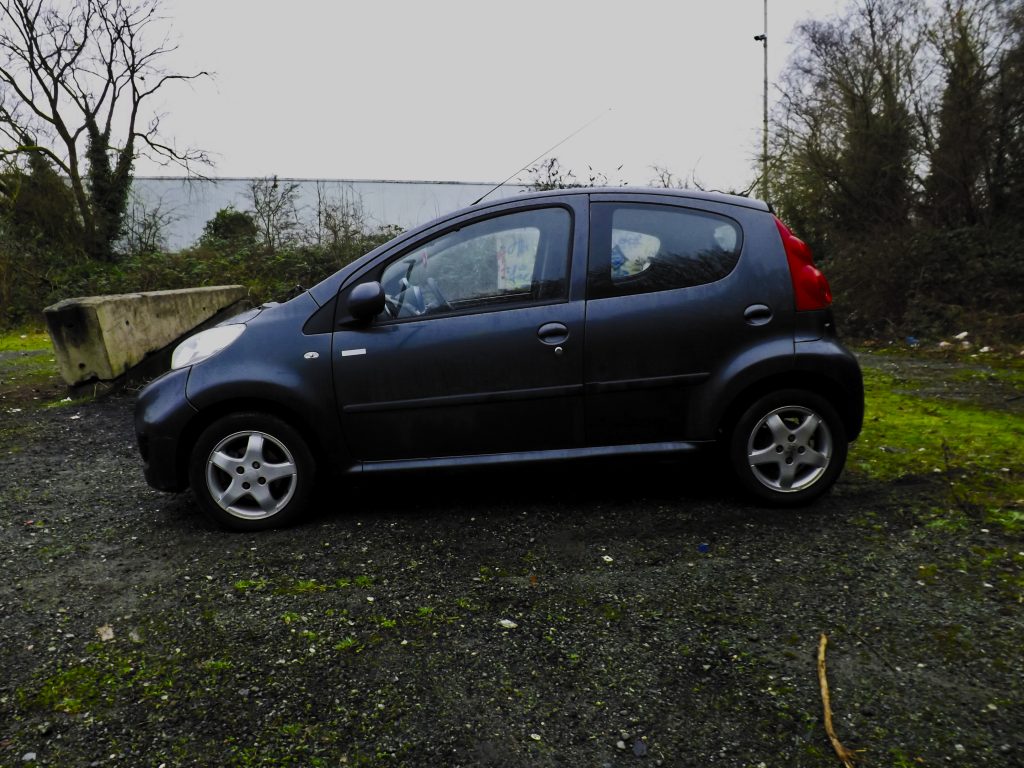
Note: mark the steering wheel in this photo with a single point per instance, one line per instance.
(394, 304)
(442, 302)
(414, 300)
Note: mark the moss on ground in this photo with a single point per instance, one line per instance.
(975, 453)
(108, 676)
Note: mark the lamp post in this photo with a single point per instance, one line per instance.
(763, 39)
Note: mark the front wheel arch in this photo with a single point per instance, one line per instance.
(313, 438)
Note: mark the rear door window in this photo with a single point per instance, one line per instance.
(647, 248)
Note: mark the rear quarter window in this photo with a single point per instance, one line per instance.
(648, 248)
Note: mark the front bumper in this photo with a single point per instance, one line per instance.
(162, 414)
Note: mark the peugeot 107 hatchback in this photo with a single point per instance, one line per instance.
(550, 326)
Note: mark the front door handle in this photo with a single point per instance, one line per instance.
(553, 333)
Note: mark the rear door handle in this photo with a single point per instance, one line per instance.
(757, 314)
(553, 333)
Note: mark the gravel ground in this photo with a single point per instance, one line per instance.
(586, 616)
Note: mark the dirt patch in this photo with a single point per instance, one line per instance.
(608, 615)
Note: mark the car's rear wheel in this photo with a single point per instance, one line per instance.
(251, 471)
(789, 447)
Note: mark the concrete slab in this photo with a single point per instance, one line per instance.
(101, 337)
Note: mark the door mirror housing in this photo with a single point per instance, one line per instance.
(366, 301)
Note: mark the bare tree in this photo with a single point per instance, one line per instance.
(275, 210)
(338, 218)
(145, 226)
(666, 179)
(549, 174)
(76, 81)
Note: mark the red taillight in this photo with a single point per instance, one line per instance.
(810, 288)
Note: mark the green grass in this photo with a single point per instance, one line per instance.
(24, 341)
(301, 587)
(27, 367)
(977, 453)
(245, 584)
(217, 665)
(345, 643)
(27, 372)
(1007, 371)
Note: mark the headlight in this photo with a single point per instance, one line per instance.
(205, 344)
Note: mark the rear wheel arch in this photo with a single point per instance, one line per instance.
(821, 386)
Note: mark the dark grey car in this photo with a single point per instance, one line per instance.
(552, 326)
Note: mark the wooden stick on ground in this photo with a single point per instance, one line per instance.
(846, 756)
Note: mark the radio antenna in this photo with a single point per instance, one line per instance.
(587, 124)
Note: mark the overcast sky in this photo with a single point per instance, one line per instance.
(472, 90)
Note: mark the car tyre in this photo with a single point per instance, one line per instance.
(251, 472)
(788, 447)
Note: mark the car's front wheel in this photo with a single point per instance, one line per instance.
(789, 447)
(251, 471)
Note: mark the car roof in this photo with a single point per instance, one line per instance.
(688, 194)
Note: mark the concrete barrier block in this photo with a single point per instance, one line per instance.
(101, 337)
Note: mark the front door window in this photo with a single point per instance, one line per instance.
(517, 259)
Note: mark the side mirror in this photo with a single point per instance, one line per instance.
(366, 301)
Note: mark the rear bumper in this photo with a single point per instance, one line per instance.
(829, 360)
(162, 413)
